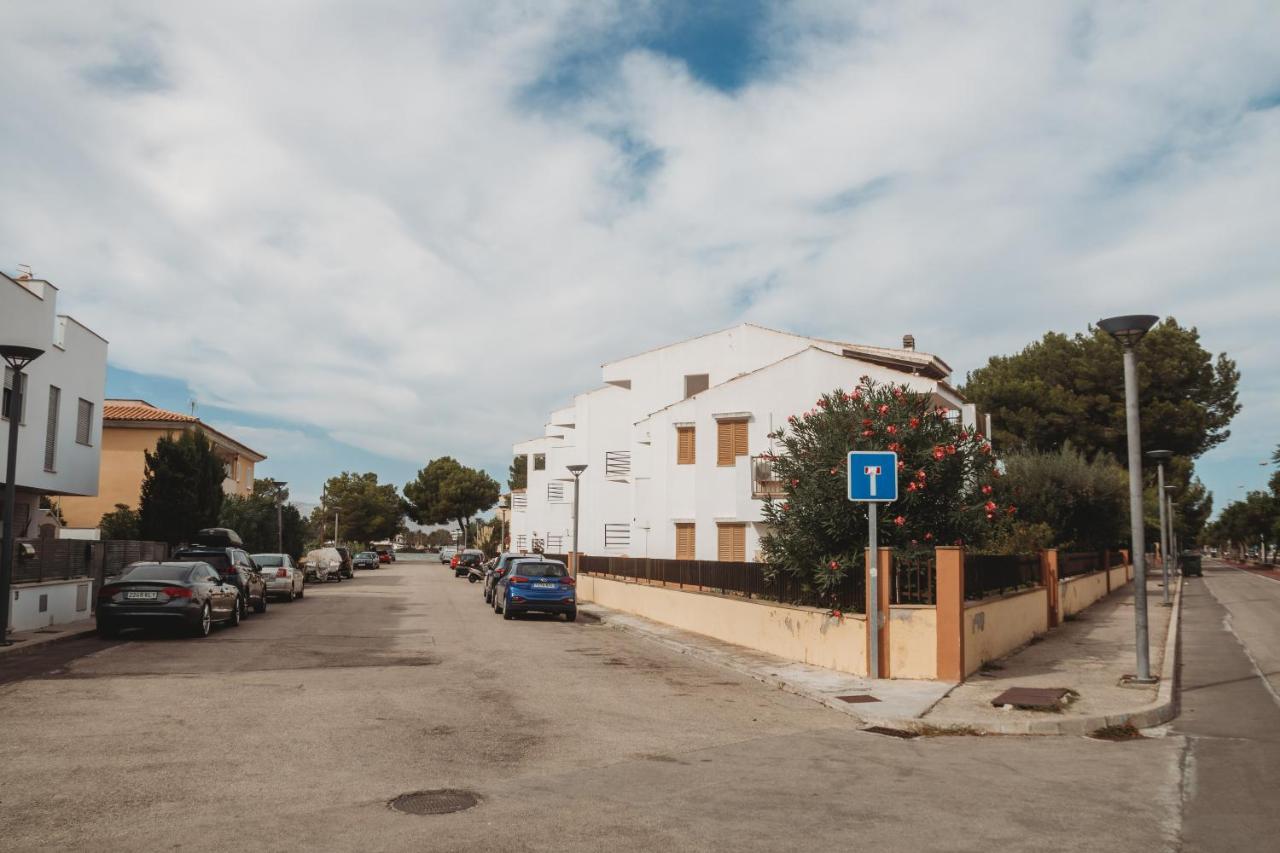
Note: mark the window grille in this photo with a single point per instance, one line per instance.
(617, 535)
(51, 430)
(555, 490)
(84, 422)
(617, 463)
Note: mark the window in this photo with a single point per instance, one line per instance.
(732, 545)
(539, 461)
(617, 535)
(84, 423)
(686, 446)
(555, 490)
(521, 542)
(695, 383)
(731, 441)
(51, 430)
(8, 394)
(685, 535)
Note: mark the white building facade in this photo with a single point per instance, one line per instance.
(671, 442)
(60, 432)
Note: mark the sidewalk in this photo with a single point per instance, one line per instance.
(28, 641)
(1088, 655)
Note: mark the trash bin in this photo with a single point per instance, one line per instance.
(1190, 561)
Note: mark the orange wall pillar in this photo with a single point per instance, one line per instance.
(1049, 580)
(885, 573)
(949, 563)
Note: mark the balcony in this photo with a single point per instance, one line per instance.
(617, 464)
(764, 482)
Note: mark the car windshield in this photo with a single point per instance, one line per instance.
(366, 555)
(542, 570)
(157, 573)
(271, 560)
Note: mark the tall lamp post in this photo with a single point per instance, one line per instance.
(1128, 330)
(17, 357)
(1174, 550)
(576, 471)
(1166, 540)
(279, 485)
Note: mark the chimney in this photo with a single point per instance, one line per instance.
(909, 342)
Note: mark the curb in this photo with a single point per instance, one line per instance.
(1164, 709)
(31, 647)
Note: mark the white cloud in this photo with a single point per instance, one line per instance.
(354, 218)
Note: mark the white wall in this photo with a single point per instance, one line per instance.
(60, 600)
(75, 360)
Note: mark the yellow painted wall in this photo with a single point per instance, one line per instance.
(995, 627)
(913, 642)
(1119, 577)
(1075, 594)
(801, 634)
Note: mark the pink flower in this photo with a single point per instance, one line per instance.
(963, 436)
(795, 483)
(868, 432)
(1012, 509)
(915, 422)
(900, 520)
(834, 565)
(891, 429)
(990, 506)
(822, 404)
(866, 422)
(901, 465)
(911, 487)
(938, 453)
(883, 408)
(951, 450)
(921, 475)
(928, 537)
(986, 490)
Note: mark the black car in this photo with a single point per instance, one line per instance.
(467, 560)
(365, 560)
(495, 573)
(348, 569)
(183, 593)
(236, 568)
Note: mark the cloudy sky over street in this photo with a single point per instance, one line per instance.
(363, 235)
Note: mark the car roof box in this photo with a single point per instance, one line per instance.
(219, 537)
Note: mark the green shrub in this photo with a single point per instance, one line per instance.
(1083, 504)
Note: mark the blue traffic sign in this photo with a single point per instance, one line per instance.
(873, 476)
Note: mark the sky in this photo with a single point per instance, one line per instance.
(364, 235)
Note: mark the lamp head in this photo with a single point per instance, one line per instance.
(1160, 455)
(576, 470)
(19, 357)
(1129, 329)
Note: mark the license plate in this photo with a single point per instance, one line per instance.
(141, 596)
(545, 585)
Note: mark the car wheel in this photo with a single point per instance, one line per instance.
(107, 631)
(337, 578)
(242, 606)
(260, 606)
(471, 578)
(303, 590)
(235, 615)
(506, 611)
(571, 616)
(206, 621)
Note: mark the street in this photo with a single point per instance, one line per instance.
(294, 730)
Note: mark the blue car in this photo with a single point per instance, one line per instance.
(536, 586)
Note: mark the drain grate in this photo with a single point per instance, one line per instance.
(441, 801)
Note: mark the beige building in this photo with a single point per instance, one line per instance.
(131, 427)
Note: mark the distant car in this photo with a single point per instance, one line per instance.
(347, 569)
(284, 579)
(366, 560)
(496, 571)
(323, 564)
(236, 568)
(536, 585)
(464, 562)
(192, 594)
(383, 557)
(447, 554)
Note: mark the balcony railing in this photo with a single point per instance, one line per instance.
(764, 481)
(519, 499)
(617, 463)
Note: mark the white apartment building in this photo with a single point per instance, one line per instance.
(671, 441)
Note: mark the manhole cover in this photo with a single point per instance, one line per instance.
(443, 801)
(858, 699)
(1033, 698)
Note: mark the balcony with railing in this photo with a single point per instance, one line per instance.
(764, 480)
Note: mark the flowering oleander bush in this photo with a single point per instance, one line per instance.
(949, 489)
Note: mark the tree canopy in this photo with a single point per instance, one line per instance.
(1070, 389)
(518, 473)
(448, 491)
(367, 510)
(121, 523)
(254, 518)
(181, 488)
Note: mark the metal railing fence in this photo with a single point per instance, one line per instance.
(995, 574)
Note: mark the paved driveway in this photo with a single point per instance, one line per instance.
(297, 728)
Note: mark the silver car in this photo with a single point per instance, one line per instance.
(284, 579)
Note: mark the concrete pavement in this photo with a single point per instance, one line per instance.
(294, 730)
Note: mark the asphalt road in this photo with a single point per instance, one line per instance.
(294, 730)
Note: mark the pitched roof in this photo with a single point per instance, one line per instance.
(140, 410)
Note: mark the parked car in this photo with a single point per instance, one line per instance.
(284, 579)
(383, 557)
(497, 570)
(366, 560)
(389, 553)
(192, 594)
(464, 561)
(323, 564)
(234, 565)
(348, 568)
(536, 585)
(447, 554)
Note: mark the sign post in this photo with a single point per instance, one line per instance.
(873, 480)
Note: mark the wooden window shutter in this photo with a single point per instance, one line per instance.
(724, 443)
(686, 446)
(732, 543)
(739, 438)
(685, 539)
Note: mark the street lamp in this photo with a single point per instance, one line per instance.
(576, 471)
(1128, 330)
(279, 485)
(1166, 541)
(1174, 550)
(17, 357)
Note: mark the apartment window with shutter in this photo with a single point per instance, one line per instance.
(732, 542)
(8, 395)
(731, 441)
(539, 462)
(84, 423)
(51, 430)
(696, 383)
(686, 446)
(685, 537)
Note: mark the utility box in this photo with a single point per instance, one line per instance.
(1190, 561)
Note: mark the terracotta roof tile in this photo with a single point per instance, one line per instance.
(119, 412)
